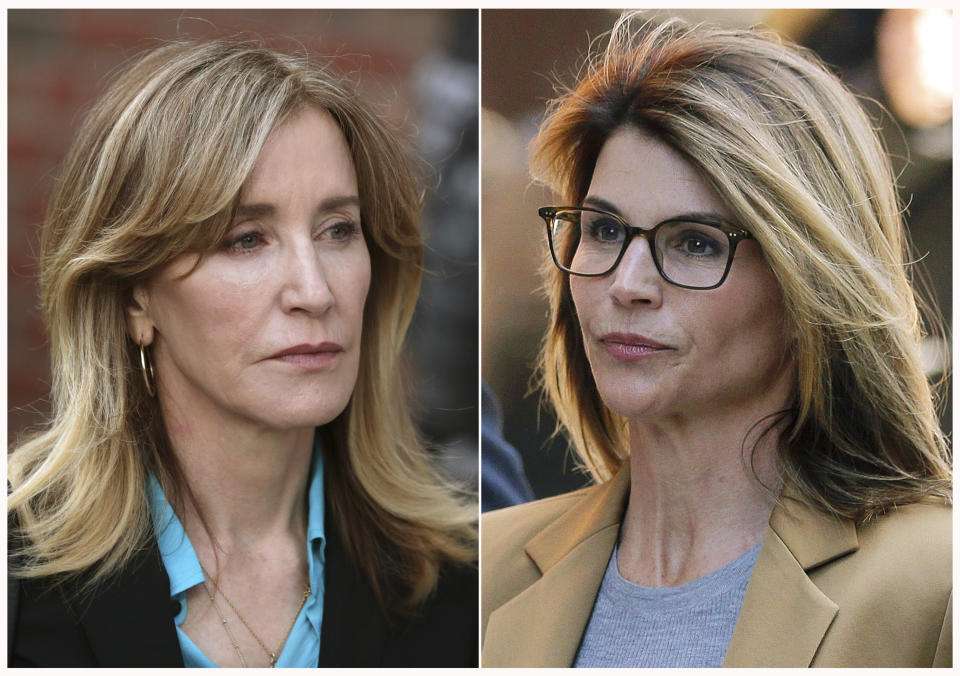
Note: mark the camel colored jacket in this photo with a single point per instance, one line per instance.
(824, 592)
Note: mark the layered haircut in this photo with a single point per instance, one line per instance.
(156, 171)
(796, 159)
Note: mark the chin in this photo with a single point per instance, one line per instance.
(630, 410)
(294, 413)
(297, 420)
(321, 415)
(630, 402)
(306, 402)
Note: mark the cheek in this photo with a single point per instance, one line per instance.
(209, 309)
(363, 283)
(749, 309)
(353, 285)
(185, 288)
(203, 328)
(767, 314)
(751, 338)
(582, 296)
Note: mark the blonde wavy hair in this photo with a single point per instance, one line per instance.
(796, 159)
(156, 170)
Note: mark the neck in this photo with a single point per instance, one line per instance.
(701, 493)
(247, 483)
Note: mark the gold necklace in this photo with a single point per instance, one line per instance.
(271, 655)
(223, 621)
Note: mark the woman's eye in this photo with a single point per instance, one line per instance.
(604, 231)
(697, 244)
(340, 231)
(247, 241)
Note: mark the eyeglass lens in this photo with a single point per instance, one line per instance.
(691, 254)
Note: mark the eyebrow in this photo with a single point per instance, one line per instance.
(709, 217)
(248, 211)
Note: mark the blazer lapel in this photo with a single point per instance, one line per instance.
(572, 554)
(130, 621)
(784, 614)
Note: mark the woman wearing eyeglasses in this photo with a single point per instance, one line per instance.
(734, 352)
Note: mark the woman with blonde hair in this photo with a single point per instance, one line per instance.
(229, 262)
(734, 352)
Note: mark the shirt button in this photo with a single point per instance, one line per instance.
(175, 608)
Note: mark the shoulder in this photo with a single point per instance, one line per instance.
(456, 591)
(37, 611)
(894, 593)
(43, 629)
(927, 526)
(444, 631)
(910, 549)
(125, 620)
(909, 543)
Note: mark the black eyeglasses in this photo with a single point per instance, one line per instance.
(693, 254)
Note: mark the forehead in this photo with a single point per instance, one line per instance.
(645, 177)
(308, 149)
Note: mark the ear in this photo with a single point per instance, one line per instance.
(139, 323)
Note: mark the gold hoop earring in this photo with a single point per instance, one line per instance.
(146, 367)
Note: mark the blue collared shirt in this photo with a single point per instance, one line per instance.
(302, 648)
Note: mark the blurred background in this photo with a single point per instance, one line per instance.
(417, 67)
(900, 59)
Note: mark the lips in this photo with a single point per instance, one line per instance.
(309, 356)
(308, 349)
(631, 346)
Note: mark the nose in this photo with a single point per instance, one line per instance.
(636, 279)
(305, 285)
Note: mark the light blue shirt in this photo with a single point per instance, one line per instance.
(302, 648)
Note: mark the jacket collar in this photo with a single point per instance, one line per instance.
(784, 615)
(600, 509)
(130, 620)
(571, 554)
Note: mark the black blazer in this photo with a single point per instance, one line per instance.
(129, 622)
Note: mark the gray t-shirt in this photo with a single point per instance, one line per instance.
(686, 626)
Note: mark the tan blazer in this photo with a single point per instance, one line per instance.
(823, 593)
